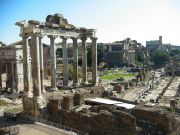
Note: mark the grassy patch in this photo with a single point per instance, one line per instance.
(3, 103)
(14, 110)
(114, 76)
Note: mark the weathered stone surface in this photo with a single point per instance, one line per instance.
(78, 99)
(119, 88)
(33, 106)
(98, 123)
(55, 105)
(67, 103)
(97, 91)
(162, 119)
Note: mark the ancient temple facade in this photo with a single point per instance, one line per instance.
(55, 26)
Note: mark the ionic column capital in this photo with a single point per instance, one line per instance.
(94, 38)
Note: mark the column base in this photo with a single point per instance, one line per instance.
(43, 91)
(75, 85)
(65, 87)
(95, 84)
(38, 97)
(54, 89)
(39, 106)
(34, 106)
(85, 82)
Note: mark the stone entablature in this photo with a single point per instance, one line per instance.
(54, 27)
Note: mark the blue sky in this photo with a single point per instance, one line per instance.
(114, 19)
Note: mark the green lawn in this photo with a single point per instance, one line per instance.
(14, 110)
(114, 76)
(3, 103)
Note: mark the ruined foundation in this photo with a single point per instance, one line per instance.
(33, 106)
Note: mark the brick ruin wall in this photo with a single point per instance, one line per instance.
(97, 121)
(103, 119)
(162, 119)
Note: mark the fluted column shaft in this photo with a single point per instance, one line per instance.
(94, 60)
(36, 67)
(53, 62)
(75, 62)
(84, 60)
(26, 65)
(65, 62)
(41, 64)
(13, 76)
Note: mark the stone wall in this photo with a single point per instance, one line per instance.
(161, 118)
(100, 120)
(67, 102)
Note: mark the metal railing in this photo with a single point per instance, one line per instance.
(56, 126)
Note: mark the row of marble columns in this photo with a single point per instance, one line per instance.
(37, 63)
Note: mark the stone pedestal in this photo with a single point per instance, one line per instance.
(34, 106)
(67, 103)
(39, 106)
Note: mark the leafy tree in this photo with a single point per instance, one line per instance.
(59, 53)
(160, 58)
(89, 56)
(100, 51)
(174, 53)
(140, 57)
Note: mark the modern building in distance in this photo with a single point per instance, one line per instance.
(159, 45)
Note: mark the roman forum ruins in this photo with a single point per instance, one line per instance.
(54, 27)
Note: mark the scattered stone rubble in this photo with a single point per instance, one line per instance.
(98, 120)
(156, 121)
(71, 110)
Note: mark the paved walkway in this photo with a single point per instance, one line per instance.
(132, 94)
(34, 129)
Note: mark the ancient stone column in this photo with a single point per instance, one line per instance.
(7, 74)
(53, 62)
(26, 65)
(36, 67)
(13, 76)
(84, 60)
(1, 65)
(94, 61)
(65, 62)
(41, 64)
(75, 62)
